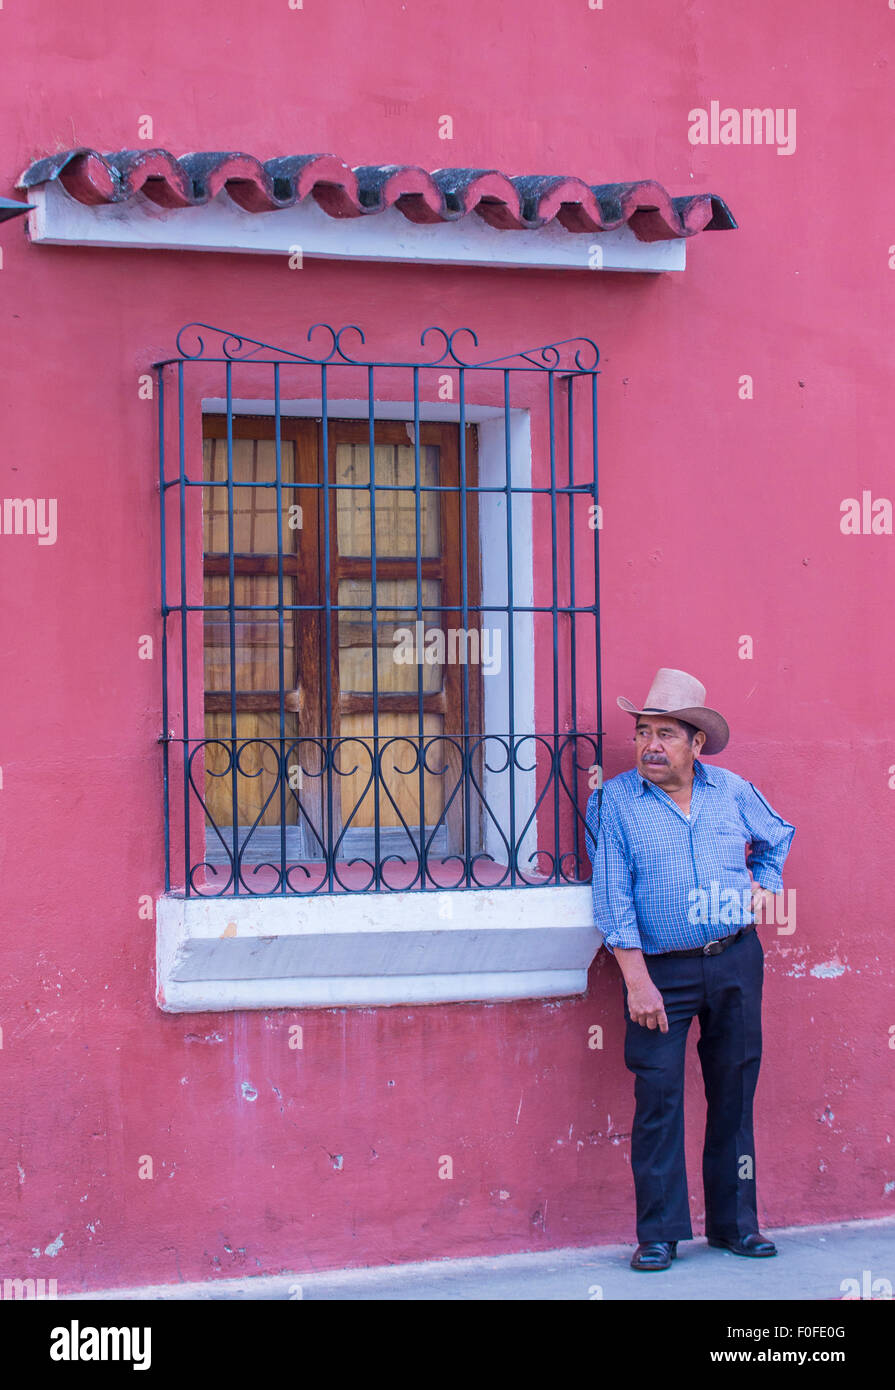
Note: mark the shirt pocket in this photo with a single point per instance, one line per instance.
(730, 825)
(731, 838)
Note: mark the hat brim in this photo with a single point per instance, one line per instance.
(712, 724)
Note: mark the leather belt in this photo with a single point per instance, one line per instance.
(711, 948)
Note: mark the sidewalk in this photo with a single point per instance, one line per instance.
(812, 1263)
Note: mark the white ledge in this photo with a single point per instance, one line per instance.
(221, 225)
(373, 948)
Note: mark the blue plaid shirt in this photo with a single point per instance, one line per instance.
(664, 881)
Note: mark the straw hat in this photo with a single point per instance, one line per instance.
(682, 696)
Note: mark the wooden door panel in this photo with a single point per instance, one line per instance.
(334, 695)
(258, 636)
(400, 518)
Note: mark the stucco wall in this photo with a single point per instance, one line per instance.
(721, 520)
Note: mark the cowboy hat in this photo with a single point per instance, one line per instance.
(682, 696)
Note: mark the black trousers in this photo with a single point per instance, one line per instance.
(724, 993)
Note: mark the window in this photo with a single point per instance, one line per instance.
(381, 627)
(293, 671)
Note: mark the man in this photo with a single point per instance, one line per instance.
(675, 895)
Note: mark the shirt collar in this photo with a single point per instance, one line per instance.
(701, 773)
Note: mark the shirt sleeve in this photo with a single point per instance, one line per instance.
(771, 838)
(613, 881)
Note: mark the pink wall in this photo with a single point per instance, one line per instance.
(722, 519)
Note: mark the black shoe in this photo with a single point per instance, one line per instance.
(655, 1254)
(754, 1244)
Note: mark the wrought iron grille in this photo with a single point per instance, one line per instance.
(327, 518)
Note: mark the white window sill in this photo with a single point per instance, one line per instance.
(368, 949)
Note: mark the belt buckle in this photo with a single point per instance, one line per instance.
(708, 951)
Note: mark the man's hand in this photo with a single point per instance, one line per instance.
(761, 899)
(645, 1003)
(646, 1006)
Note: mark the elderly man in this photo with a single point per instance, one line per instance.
(675, 895)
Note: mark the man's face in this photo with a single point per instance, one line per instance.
(665, 755)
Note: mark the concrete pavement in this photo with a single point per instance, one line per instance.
(814, 1262)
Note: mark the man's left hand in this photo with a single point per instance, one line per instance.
(761, 898)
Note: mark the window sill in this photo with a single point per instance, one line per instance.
(366, 949)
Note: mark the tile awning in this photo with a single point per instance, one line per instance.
(523, 202)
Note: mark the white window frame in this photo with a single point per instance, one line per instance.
(378, 948)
